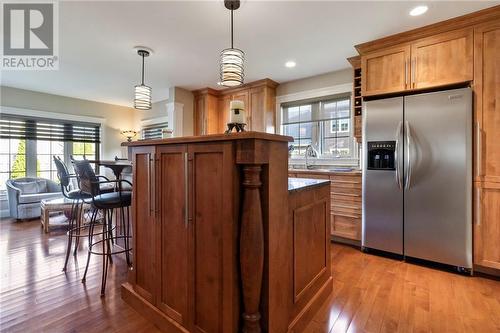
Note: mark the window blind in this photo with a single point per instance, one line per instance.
(20, 127)
(153, 131)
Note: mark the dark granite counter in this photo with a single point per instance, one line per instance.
(299, 184)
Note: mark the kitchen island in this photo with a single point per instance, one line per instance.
(217, 246)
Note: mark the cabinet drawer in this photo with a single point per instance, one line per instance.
(347, 227)
(346, 200)
(351, 192)
(346, 211)
(342, 185)
(312, 176)
(346, 178)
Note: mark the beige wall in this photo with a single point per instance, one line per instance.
(315, 82)
(116, 117)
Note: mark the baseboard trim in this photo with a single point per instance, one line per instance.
(305, 316)
(148, 311)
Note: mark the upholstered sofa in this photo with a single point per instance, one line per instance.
(25, 195)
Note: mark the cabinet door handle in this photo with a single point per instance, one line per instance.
(414, 71)
(406, 73)
(479, 143)
(186, 196)
(478, 206)
(152, 196)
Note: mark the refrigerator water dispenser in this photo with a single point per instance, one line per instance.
(381, 155)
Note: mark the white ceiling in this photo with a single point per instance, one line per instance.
(96, 41)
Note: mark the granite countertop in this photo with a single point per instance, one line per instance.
(299, 184)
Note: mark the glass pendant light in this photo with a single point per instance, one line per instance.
(142, 98)
(231, 59)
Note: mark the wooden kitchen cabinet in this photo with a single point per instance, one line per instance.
(487, 145)
(438, 60)
(172, 233)
(184, 235)
(345, 210)
(206, 112)
(260, 106)
(442, 59)
(143, 160)
(385, 71)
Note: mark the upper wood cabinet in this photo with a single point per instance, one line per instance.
(487, 99)
(385, 71)
(260, 106)
(440, 60)
(443, 59)
(206, 115)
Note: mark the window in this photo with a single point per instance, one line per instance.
(12, 160)
(45, 152)
(325, 124)
(28, 145)
(154, 131)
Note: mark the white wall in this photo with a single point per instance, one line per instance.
(315, 82)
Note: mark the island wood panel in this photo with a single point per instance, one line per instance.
(213, 296)
(442, 59)
(172, 234)
(309, 216)
(143, 214)
(385, 71)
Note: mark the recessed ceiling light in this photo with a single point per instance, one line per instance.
(290, 64)
(419, 10)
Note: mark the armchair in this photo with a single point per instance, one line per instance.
(25, 194)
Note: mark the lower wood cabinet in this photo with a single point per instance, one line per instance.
(183, 228)
(345, 193)
(487, 226)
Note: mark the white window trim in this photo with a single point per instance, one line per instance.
(317, 93)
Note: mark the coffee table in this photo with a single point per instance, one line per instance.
(56, 205)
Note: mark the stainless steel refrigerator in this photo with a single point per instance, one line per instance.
(417, 176)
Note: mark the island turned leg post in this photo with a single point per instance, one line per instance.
(251, 248)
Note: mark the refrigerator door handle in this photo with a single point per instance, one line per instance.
(408, 157)
(399, 181)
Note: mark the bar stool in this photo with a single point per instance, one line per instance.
(77, 198)
(107, 203)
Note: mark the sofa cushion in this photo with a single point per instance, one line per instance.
(37, 197)
(30, 187)
(41, 184)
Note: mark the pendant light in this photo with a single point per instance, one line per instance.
(142, 98)
(231, 59)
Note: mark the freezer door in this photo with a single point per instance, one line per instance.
(438, 182)
(382, 222)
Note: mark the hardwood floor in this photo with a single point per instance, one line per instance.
(371, 293)
(36, 296)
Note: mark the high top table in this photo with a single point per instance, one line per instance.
(216, 248)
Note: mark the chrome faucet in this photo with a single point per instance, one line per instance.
(310, 152)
